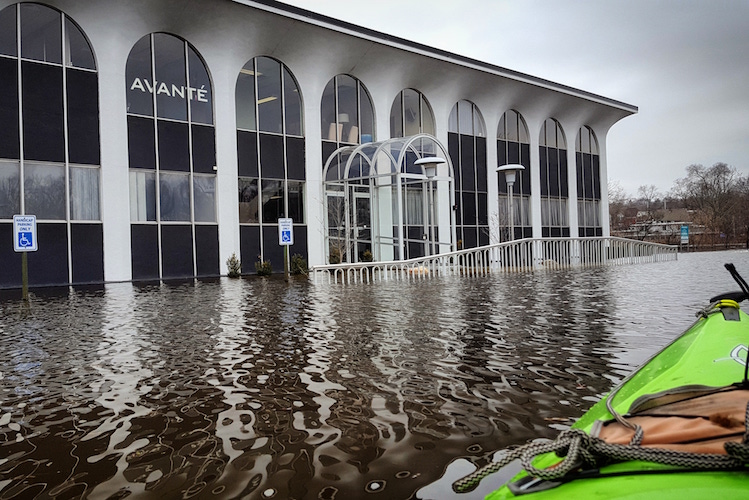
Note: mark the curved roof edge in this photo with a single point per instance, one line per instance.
(321, 20)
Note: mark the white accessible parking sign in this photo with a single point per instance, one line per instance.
(24, 233)
(285, 232)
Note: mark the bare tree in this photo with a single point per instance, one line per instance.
(649, 195)
(716, 194)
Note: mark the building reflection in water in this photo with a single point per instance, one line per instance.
(261, 388)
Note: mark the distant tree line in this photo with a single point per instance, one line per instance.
(712, 201)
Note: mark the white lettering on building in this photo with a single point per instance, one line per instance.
(175, 91)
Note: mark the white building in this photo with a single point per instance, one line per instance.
(154, 138)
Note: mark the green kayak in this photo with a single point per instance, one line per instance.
(675, 428)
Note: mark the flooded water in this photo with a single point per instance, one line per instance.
(259, 388)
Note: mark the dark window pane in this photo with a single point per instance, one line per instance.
(247, 153)
(245, 97)
(138, 78)
(87, 253)
(144, 244)
(525, 160)
(206, 249)
(8, 31)
(141, 142)
(272, 251)
(544, 169)
(171, 85)
(481, 179)
(43, 137)
(203, 149)
(176, 251)
(502, 153)
(293, 103)
(296, 201)
(199, 92)
(174, 146)
(453, 148)
(483, 209)
(563, 174)
(83, 117)
(328, 148)
(271, 156)
(248, 201)
(469, 208)
(295, 158)
(273, 203)
(9, 138)
(269, 95)
(467, 168)
(49, 265)
(597, 177)
(41, 33)
(79, 52)
(249, 247)
(553, 172)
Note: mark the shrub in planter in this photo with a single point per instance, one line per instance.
(298, 264)
(234, 265)
(263, 268)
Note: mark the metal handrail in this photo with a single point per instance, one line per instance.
(529, 254)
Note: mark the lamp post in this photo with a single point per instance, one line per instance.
(510, 171)
(430, 165)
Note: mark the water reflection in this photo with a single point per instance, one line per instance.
(259, 388)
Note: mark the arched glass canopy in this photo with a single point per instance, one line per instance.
(381, 205)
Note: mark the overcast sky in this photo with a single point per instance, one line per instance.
(684, 63)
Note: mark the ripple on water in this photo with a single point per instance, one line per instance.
(266, 389)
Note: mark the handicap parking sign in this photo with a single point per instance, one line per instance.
(285, 232)
(24, 233)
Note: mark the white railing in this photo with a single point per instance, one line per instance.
(515, 256)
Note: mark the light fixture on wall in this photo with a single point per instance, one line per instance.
(510, 171)
(430, 165)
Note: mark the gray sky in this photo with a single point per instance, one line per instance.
(684, 63)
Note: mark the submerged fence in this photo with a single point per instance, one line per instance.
(514, 256)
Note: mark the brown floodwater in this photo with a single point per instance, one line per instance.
(259, 388)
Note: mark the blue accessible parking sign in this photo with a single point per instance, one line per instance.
(24, 233)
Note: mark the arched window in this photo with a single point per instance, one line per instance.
(172, 159)
(466, 139)
(347, 114)
(554, 189)
(411, 114)
(270, 152)
(588, 183)
(513, 147)
(49, 145)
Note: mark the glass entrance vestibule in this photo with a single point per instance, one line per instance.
(389, 200)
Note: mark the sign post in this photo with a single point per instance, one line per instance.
(685, 235)
(285, 238)
(24, 241)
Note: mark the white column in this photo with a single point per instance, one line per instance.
(115, 201)
(314, 197)
(492, 188)
(604, 176)
(535, 200)
(227, 183)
